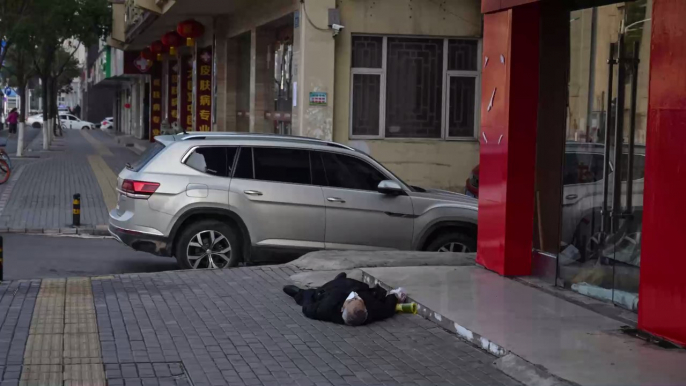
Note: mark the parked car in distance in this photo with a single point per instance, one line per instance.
(472, 184)
(69, 121)
(35, 121)
(213, 200)
(107, 123)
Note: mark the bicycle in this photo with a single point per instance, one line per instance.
(5, 164)
(59, 128)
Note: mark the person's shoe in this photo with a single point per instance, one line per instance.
(291, 290)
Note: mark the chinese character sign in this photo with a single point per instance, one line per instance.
(155, 100)
(185, 91)
(173, 84)
(204, 91)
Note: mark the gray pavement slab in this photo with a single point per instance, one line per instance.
(347, 260)
(40, 257)
(569, 341)
(237, 327)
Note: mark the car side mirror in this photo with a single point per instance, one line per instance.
(391, 188)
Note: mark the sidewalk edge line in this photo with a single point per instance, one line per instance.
(507, 361)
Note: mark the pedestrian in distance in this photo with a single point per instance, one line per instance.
(12, 119)
(346, 301)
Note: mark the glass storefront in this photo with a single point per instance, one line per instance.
(603, 172)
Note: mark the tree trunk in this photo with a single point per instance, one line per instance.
(46, 110)
(21, 90)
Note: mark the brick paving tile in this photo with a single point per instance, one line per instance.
(42, 197)
(237, 327)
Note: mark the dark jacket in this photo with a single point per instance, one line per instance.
(325, 303)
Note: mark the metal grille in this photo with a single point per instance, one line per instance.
(463, 55)
(365, 114)
(461, 109)
(367, 51)
(414, 88)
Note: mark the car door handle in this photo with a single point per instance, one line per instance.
(252, 192)
(335, 199)
(571, 196)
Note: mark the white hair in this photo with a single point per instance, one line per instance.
(356, 317)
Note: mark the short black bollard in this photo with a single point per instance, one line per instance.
(77, 210)
(1, 260)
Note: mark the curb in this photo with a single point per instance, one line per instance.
(508, 362)
(98, 230)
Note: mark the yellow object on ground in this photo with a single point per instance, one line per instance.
(408, 308)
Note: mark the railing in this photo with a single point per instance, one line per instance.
(133, 15)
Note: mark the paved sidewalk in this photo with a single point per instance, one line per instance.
(39, 195)
(535, 333)
(222, 327)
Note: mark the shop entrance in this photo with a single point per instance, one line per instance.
(604, 162)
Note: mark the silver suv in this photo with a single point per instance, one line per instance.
(213, 200)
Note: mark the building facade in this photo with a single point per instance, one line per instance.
(401, 83)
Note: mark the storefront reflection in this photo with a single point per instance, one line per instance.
(600, 244)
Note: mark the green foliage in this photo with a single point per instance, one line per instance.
(70, 70)
(12, 17)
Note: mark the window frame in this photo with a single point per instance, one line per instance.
(445, 102)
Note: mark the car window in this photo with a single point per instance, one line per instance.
(582, 168)
(317, 165)
(213, 160)
(63, 117)
(243, 168)
(148, 155)
(282, 165)
(72, 118)
(348, 172)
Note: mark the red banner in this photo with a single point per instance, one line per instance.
(173, 84)
(203, 102)
(186, 92)
(155, 100)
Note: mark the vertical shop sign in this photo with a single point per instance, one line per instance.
(204, 101)
(173, 82)
(186, 92)
(155, 100)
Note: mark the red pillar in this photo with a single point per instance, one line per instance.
(509, 106)
(662, 305)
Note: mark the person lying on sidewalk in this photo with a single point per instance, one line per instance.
(346, 301)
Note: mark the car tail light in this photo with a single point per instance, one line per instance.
(139, 189)
(104, 122)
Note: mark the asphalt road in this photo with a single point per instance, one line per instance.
(37, 257)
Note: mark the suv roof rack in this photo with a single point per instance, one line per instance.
(262, 136)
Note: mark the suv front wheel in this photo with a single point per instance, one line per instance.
(208, 244)
(452, 242)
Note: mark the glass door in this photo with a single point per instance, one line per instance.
(602, 203)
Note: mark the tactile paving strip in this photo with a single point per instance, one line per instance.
(63, 347)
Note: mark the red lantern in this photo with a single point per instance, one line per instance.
(157, 48)
(171, 40)
(190, 29)
(127, 105)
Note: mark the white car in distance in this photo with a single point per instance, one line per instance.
(69, 121)
(107, 123)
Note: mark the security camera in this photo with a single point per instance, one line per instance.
(336, 28)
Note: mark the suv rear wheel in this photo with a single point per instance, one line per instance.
(452, 242)
(208, 244)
